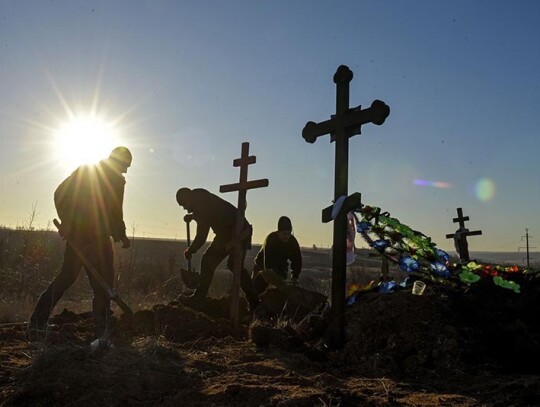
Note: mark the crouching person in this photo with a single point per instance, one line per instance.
(212, 212)
(279, 250)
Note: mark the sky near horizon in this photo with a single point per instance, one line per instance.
(184, 83)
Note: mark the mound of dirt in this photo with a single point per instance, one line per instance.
(450, 346)
(446, 330)
(178, 323)
(291, 302)
(70, 374)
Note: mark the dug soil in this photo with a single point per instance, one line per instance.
(449, 347)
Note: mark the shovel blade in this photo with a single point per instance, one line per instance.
(190, 278)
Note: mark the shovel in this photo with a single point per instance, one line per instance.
(112, 294)
(189, 277)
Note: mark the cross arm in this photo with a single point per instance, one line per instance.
(376, 114)
(473, 233)
(352, 202)
(351, 121)
(260, 183)
(313, 130)
(244, 161)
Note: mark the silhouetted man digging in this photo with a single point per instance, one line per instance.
(279, 248)
(211, 211)
(89, 203)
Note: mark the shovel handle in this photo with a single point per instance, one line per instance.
(188, 219)
(113, 295)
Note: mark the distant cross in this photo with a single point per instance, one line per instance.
(460, 236)
(240, 232)
(344, 124)
(385, 267)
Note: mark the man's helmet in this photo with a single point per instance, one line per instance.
(121, 155)
(182, 196)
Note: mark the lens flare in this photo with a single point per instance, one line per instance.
(434, 184)
(484, 189)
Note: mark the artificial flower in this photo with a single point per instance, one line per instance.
(439, 269)
(506, 284)
(468, 277)
(408, 264)
(441, 254)
(380, 244)
(363, 226)
(512, 269)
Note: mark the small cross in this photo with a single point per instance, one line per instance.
(346, 123)
(460, 236)
(242, 187)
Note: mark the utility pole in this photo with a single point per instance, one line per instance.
(527, 245)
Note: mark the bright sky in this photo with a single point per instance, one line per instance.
(183, 84)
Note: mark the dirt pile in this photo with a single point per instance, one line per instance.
(447, 347)
(449, 330)
(446, 330)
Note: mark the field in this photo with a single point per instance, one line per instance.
(448, 347)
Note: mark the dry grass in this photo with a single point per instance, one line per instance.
(146, 274)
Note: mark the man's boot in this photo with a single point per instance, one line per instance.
(194, 299)
(37, 327)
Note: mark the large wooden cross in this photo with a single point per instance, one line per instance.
(460, 236)
(344, 124)
(242, 187)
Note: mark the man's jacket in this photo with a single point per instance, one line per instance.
(211, 211)
(90, 201)
(275, 253)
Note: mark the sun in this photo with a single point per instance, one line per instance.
(84, 139)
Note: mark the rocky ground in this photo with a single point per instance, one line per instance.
(451, 346)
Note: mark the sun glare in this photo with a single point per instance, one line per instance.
(85, 140)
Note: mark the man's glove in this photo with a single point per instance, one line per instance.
(63, 228)
(126, 244)
(187, 254)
